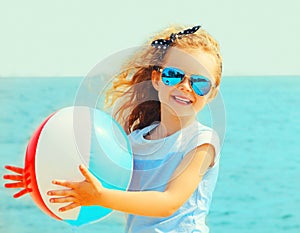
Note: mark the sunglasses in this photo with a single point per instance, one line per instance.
(172, 76)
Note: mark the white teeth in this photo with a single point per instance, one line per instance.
(182, 100)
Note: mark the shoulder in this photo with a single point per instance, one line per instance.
(202, 136)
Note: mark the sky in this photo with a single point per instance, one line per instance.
(69, 37)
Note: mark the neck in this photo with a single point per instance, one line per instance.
(170, 123)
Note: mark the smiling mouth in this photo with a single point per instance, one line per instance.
(182, 100)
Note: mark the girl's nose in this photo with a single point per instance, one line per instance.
(185, 85)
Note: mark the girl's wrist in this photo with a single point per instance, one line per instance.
(101, 196)
(107, 198)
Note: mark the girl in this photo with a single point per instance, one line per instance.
(176, 159)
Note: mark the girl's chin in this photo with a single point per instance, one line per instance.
(179, 109)
(188, 112)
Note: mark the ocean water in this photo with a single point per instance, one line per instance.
(258, 188)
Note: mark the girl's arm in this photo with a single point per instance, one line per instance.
(149, 203)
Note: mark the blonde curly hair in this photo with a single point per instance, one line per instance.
(135, 101)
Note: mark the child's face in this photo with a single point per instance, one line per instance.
(181, 98)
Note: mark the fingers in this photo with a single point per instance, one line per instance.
(69, 207)
(89, 177)
(67, 184)
(62, 199)
(18, 170)
(13, 177)
(27, 182)
(86, 173)
(67, 196)
(65, 192)
(27, 175)
(22, 182)
(67, 199)
(14, 185)
(21, 193)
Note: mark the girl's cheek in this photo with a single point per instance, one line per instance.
(200, 104)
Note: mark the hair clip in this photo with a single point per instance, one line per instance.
(166, 43)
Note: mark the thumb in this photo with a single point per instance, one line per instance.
(86, 173)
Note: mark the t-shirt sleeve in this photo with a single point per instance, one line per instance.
(206, 136)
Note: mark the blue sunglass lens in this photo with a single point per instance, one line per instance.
(200, 84)
(172, 76)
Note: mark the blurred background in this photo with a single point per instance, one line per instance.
(48, 47)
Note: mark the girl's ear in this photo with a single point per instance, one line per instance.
(155, 78)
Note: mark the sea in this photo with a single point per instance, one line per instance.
(258, 189)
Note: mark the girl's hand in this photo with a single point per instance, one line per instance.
(84, 193)
(23, 180)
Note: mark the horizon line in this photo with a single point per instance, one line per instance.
(78, 76)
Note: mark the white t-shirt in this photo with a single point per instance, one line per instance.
(154, 164)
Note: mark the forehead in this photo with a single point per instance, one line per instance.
(193, 61)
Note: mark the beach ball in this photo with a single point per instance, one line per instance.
(67, 138)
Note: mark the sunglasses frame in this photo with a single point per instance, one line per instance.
(161, 69)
